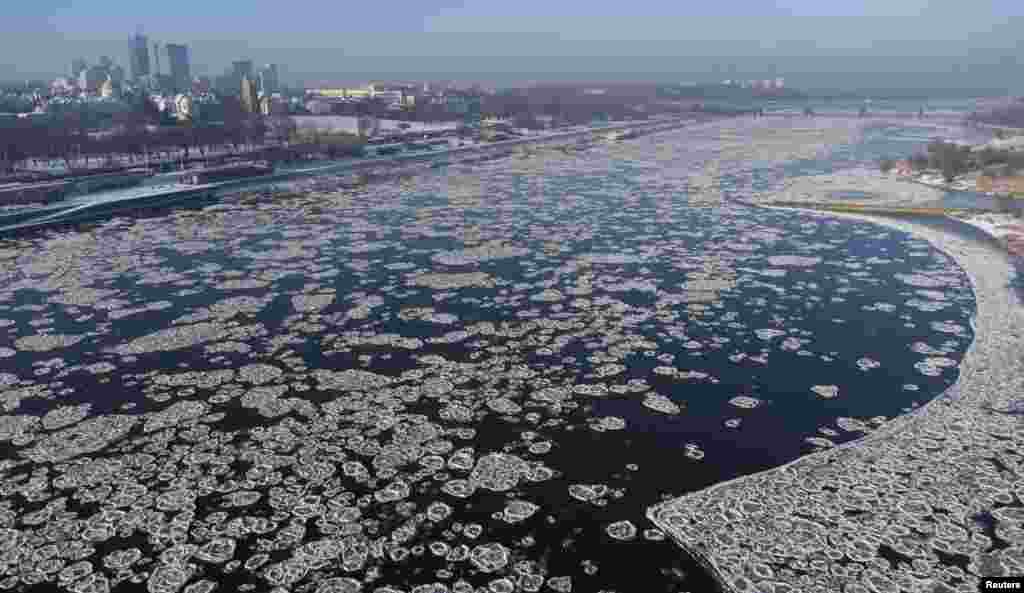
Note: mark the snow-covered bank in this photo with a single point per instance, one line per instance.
(835, 520)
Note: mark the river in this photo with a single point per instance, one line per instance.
(476, 376)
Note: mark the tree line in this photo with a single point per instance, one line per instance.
(132, 137)
(953, 159)
(143, 136)
(567, 104)
(1010, 116)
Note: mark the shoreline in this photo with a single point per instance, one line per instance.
(697, 521)
(34, 217)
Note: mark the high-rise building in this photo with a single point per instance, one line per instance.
(249, 97)
(269, 79)
(139, 56)
(242, 69)
(77, 66)
(181, 72)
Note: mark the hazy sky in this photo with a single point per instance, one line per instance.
(831, 42)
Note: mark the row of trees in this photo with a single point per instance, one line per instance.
(66, 140)
(954, 160)
(135, 137)
(1010, 116)
(568, 104)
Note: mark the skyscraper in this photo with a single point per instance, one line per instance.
(181, 73)
(242, 69)
(269, 79)
(139, 56)
(250, 100)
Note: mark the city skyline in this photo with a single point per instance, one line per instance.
(844, 44)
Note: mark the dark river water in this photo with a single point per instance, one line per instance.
(330, 390)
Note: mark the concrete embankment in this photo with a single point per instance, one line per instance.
(928, 502)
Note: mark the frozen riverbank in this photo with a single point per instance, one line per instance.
(930, 502)
(856, 187)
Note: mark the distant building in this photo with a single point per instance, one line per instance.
(389, 97)
(77, 67)
(139, 56)
(184, 108)
(107, 88)
(230, 81)
(341, 93)
(156, 58)
(780, 83)
(116, 75)
(91, 78)
(269, 79)
(181, 71)
(249, 96)
(273, 105)
(61, 86)
(242, 69)
(164, 104)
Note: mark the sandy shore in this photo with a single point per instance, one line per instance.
(856, 187)
(1005, 228)
(929, 502)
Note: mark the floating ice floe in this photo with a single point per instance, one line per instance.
(826, 391)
